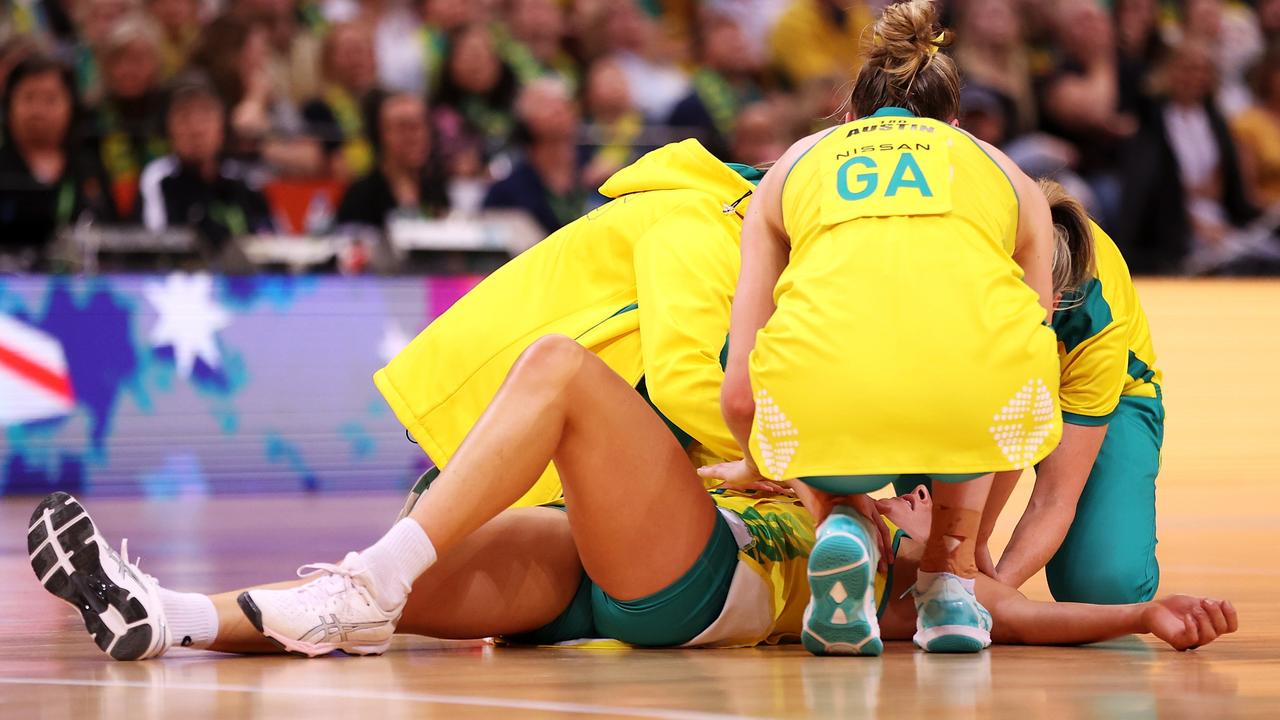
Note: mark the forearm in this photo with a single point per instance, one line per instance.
(1017, 620)
(1060, 478)
(1037, 537)
(1001, 488)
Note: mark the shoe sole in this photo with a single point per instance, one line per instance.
(66, 550)
(952, 639)
(297, 647)
(841, 616)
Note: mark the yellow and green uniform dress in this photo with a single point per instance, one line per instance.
(1109, 377)
(904, 339)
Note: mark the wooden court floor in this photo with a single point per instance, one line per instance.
(1219, 525)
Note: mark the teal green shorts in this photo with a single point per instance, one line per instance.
(672, 616)
(858, 484)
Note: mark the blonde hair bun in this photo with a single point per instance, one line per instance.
(906, 38)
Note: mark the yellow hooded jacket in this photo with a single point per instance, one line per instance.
(645, 282)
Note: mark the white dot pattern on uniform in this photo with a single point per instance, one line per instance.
(777, 438)
(1024, 423)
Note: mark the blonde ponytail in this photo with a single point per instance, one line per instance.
(1073, 256)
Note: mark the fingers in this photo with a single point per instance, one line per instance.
(718, 471)
(1216, 618)
(1204, 628)
(1229, 611)
(1190, 633)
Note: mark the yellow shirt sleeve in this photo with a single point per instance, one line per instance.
(1093, 345)
(686, 271)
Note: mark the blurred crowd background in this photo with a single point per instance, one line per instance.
(305, 119)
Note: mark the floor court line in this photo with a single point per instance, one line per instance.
(465, 700)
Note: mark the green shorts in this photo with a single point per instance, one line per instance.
(672, 616)
(858, 484)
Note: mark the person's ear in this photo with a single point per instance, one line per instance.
(955, 122)
(848, 117)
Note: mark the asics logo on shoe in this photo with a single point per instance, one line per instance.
(332, 630)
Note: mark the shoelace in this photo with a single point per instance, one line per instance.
(319, 590)
(136, 565)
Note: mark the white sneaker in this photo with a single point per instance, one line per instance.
(336, 611)
(120, 604)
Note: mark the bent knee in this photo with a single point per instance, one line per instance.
(1106, 583)
(550, 359)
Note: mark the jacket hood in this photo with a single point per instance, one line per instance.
(686, 165)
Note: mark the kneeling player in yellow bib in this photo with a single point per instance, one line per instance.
(886, 320)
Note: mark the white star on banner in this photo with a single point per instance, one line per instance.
(189, 319)
(393, 341)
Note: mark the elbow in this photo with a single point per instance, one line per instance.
(737, 403)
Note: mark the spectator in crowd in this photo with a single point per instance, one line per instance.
(726, 80)
(1258, 132)
(816, 39)
(179, 23)
(293, 57)
(265, 128)
(41, 186)
(125, 130)
(531, 42)
(473, 105)
(546, 182)
(441, 19)
(398, 38)
(986, 113)
(1184, 196)
(760, 135)
(350, 73)
(195, 186)
(991, 52)
(614, 125)
(1232, 35)
(94, 20)
(1138, 37)
(406, 179)
(756, 18)
(636, 43)
(1080, 101)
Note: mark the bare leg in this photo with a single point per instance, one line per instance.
(515, 574)
(639, 513)
(957, 516)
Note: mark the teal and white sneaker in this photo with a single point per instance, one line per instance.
(841, 616)
(949, 618)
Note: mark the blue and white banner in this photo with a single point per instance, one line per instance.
(194, 384)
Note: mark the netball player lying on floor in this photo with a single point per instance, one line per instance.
(665, 567)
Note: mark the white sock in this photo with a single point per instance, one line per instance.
(925, 579)
(192, 619)
(396, 561)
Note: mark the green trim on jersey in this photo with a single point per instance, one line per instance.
(1086, 420)
(892, 111)
(751, 174)
(1076, 325)
(1139, 370)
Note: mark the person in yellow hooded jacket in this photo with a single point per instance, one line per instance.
(643, 282)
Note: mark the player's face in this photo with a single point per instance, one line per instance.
(913, 512)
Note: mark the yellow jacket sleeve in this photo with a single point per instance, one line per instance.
(1093, 343)
(686, 271)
